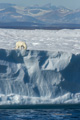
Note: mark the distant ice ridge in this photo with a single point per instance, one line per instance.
(34, 77)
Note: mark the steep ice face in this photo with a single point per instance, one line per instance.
(30, 77)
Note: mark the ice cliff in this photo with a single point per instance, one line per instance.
(34, 77)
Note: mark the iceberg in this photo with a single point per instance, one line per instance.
(39, 77)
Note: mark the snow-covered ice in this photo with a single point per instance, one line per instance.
(61, 40)
(36, 76)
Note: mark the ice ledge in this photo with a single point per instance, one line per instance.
(41, 76)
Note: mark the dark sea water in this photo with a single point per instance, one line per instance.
(31, 114)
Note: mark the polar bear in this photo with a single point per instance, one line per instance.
(21, 45)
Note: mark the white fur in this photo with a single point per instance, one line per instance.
(21, 44)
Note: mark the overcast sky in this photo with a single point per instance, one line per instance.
(72, 4)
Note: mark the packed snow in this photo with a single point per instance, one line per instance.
(48, 72)
(60, 40)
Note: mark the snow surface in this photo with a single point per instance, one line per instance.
(36, 76)
(60, 40)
